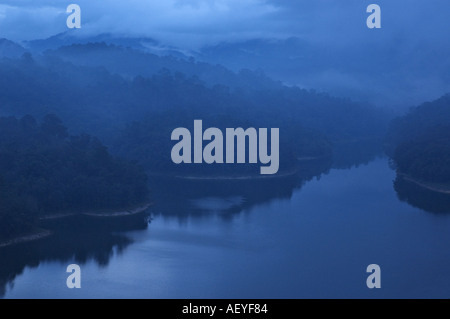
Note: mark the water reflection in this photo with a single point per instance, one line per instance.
(420, 197)
(182, 198)
(83, 239)
(76, 239)
(354, 154)
(218, 204)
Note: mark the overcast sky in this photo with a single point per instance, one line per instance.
(192, 23)
(405, 62)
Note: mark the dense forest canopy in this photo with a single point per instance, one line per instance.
(92, 95)
(147, 141)
(97, 100)
(43, 170)
(132, 100)
(420, 141)
(130, 63)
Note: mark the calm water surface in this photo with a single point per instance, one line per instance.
(314, 243)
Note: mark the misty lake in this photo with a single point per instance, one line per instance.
(310, 238)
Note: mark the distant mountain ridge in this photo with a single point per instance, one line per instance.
(143, 44)
(129, 62)
(398, 76)
(10, 49)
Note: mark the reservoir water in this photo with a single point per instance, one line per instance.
(312, 239)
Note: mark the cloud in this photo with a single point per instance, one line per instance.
(197, 22)
(29, 22)
(187, 22)
(407, 57)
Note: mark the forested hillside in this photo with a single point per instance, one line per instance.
(43, 170)
(96, 100)
(132, 100)
(419, 142)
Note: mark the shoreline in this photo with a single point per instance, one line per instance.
(289, 173)
(311, 158)
(26, 238)
(292, 172)
(126, 212)
(232, 178)
(438, 188)
(43, 233)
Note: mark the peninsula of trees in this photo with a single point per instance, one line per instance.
(419, 142)
(43, 170)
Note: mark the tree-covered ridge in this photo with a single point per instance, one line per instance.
(131, 63)
(421, 142)
(43, 170)
(135, 116)
(99, 101)
(427, 157)
(420, 120)
(148, 141)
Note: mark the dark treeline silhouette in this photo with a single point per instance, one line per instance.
(419, 142)
(130, 63)
(94, 95)
(63, 247)
(124, 98)
(420, 197)
(88, 86)
(43, 170)
(189, 197)
(148, 141)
